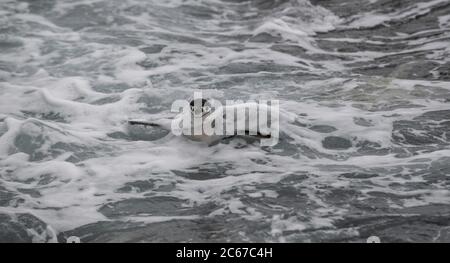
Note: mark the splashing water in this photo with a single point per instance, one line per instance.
(366, 153)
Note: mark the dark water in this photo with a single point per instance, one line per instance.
(368, 153)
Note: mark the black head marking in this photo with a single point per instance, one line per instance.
(200, 107)
(203, 102)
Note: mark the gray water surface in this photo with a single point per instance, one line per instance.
(367, 155)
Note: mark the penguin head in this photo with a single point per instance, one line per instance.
(200, 107)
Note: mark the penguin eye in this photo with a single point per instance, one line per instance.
(206, 109)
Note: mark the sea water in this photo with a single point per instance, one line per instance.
(366, 153)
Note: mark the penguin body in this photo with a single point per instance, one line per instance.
(201, 113)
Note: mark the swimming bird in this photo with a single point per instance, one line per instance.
(223, 121)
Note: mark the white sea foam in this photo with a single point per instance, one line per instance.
(373, 19)
(68, 87)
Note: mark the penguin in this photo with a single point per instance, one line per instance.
(202, 111)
